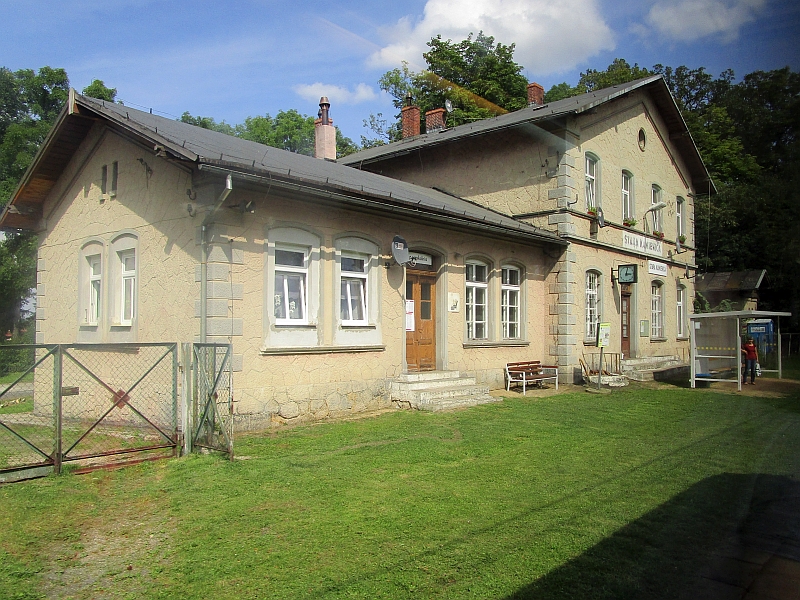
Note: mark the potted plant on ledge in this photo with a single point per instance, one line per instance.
(629, 222)
(592, 211)
(659, 234)
(682, 239)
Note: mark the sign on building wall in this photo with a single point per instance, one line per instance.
(657, 268)
(417, 258)
(640, 243)
(453, 301)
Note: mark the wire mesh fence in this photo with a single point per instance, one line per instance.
(212, 406)
(86, 403)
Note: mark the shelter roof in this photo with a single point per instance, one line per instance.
(729, 281)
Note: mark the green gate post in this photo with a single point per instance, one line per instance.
(57, 381)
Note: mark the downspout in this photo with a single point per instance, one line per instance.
(204, 259)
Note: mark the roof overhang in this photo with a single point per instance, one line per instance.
(386, 204)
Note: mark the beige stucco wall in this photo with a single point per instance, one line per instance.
(315, 380)
(339, 371)
(539, 176)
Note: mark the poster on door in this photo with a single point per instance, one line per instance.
(409, 315)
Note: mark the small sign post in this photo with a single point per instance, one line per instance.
(603, 340)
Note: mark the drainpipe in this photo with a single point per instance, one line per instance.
(204, 260)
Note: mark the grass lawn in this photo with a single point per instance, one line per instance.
(569, 496)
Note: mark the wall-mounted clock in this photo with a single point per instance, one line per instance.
(626, 273)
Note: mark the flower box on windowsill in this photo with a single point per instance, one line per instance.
(682, 239)
(629, 222)
(659, 234)
(591, 211)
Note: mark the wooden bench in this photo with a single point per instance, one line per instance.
(529, 372)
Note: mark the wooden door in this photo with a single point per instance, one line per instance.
(421, 341)
(625, 322)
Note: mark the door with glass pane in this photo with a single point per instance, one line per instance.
(625, 322)
(421, 340)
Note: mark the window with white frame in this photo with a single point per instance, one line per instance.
(353, 296)
(121, 282)
(127, 307)
(680, 309)
(627, 196)
(510, 302)
(94, 289)
(592, 303)
(291, 284)
(658, 221)
(656, 310)
(476, 301)
(679, 216)
(592, 198)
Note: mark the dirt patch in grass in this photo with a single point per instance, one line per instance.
(117, 555)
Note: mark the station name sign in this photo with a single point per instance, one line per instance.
(640, 243)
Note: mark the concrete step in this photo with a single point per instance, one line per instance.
(438, 390)
(646, 368)
(456, 402)
(427, 376)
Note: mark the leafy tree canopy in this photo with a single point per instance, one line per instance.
(478, 76)
(288, 130)
(29, 104)
(97, 89)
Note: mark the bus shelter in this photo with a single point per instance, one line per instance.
(716, 341)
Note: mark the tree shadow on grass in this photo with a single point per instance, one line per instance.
(713, 537)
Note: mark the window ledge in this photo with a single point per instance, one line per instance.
(358, 327)
(285, 326)
(495, 344)
(658, 339)
(321, 350)
(682, 338)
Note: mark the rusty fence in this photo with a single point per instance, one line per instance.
(88, 404)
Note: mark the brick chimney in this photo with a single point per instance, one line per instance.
(434, 120)
(535, 94)
(324, 132)
(409, 118)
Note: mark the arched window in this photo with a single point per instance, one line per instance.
(477, 283)
(680, 216)
(680, 309)
(90, 271)
(627, 197)
(123, 287)
(658, 221)
(656, 310)
(511, 302)
(592, 177)
(592, 303)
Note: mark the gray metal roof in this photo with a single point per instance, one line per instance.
(205, 147)
(730, 281)
(551, 111)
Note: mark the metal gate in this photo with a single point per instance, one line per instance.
(86, 403)
(212, 400)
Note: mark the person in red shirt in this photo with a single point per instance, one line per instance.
(750, 353)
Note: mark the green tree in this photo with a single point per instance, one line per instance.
(29, 103)
(619, 71)
(97, 89)
(287, 130)
(479, 77)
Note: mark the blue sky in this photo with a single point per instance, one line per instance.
(231, 60)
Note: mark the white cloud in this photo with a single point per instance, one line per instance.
(688, 20)
(550, 37)
(335, 93)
